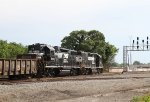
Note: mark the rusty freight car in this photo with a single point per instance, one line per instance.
(17, 67)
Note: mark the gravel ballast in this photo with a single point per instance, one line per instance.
(112, 90)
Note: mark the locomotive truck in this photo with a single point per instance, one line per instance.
(46, 60)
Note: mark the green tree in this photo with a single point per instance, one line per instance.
(75, 40)
(3, 49)
(90, 41)
(11, 50)
(109, 54)
(136, 63)
(83, 40)
(94, 42)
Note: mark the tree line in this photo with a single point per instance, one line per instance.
(11, 49)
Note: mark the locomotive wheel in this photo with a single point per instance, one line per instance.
(90, 71)
(98, 70)
(53, 72)
(56, 71)
(87, 72)
(47, 72)
(101, 70)
(73, 72)
(83, 71)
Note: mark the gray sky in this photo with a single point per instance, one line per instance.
(48, 21)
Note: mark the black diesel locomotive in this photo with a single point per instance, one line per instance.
(45, 60)
(56, 59)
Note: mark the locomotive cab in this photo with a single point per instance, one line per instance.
(95, 59)
(49, 53)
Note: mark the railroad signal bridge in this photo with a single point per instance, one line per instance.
(136, 46)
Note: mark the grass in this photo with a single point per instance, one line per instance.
(145, 98)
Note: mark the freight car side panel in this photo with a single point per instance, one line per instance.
(17, 67)
(1, 67)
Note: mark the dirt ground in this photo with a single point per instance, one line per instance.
(98, 88)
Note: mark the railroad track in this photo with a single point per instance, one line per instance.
(67, 78)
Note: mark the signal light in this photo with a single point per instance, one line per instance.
(137, 47)
(147, 44)
(137, 43)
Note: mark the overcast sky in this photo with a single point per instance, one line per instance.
(48, 21)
